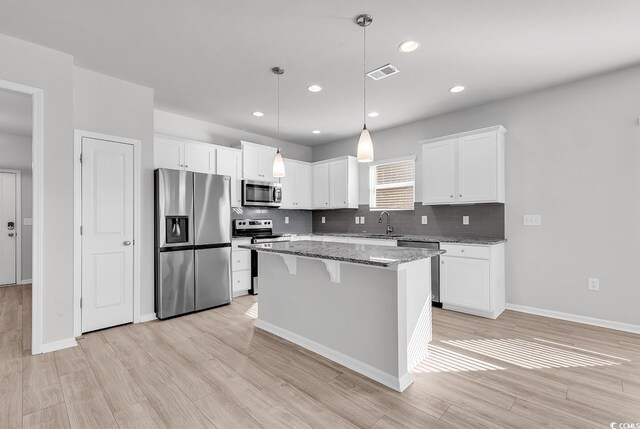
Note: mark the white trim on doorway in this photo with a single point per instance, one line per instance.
(77, 222)
(18, 221)
(37, 138)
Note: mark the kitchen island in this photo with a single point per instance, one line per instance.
(365, 307)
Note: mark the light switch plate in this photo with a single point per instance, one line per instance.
(322, 219)
(362, 220)
(28, 221)
(286, 219)
(357, 220)
(424, 220)
(532, 220)
(465, 220)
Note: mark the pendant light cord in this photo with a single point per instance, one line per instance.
(278, 121)
(364, 74)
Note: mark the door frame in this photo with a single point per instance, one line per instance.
(37, 145)
(18, 221)
(77, 222)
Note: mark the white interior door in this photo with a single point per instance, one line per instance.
(8, 228)
(107, 234)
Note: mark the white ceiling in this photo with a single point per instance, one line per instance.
(15, 113)
(211, 59)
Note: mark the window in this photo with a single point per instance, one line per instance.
(392, 184)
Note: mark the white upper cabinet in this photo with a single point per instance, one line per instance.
(478, 168)
(303, 185)
(296, 185)
(320, 174)
(257, 161)
(338, 180)
(229, 163)
(439, 172)
(168, 153)
(464, 168)
(181, 154)
(200, 157)
(335, 183)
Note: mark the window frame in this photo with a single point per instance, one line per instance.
(373, 187)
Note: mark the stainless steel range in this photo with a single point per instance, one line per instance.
(260, 231)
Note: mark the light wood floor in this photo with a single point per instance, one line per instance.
(213, 369)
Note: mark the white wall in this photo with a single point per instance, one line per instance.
(107, 105)
(181, 126)
(16, 155)
(52, 71)
(573, 156)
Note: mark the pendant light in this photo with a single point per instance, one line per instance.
(365, 145)
(278, 162)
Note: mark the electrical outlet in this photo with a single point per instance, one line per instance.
(424, 220)
(362, 220)
(593, 283)
(465, 220)
(286, 219)
(532, 220)
(323, 220)
(357, 220)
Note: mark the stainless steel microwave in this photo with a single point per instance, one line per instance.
(261, 194)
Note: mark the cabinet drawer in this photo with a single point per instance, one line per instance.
(462, 251)
(241, 280)
(240, 260)
(238, 241)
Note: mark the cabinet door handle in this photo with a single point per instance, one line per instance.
(460, 195)
(451, 196)
(442, 262)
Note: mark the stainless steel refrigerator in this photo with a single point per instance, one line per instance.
(193, 241)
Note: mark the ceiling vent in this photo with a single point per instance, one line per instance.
(382, 72)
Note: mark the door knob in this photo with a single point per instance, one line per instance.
(11, 234)
(126, 243)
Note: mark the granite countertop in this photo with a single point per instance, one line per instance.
(377, 256)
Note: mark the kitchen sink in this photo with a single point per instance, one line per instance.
(384, 235)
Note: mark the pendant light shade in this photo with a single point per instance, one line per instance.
(365, 146)
(278, 162)
(278, 165)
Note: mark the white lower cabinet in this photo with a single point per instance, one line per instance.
(240, 267)
(472, 279)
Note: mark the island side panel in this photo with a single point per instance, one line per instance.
(415, 278)
(357, 318)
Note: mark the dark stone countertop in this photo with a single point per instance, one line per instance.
(377, 256)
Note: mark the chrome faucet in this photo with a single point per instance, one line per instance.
(389, 227)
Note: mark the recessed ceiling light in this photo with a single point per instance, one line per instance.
(316, 131)
(314, 88)
(457, 88)
(258, 114)
(372, 114)
(408, 46)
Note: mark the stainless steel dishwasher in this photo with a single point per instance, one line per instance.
(435, 268)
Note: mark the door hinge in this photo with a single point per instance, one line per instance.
(80, 230)
(80, 302)
(80, 158)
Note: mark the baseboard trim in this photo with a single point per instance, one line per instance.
(618, 326)
(59, 345)
(398, 384)
(148, 317)
(25, 282)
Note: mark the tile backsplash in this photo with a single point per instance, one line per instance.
(485, 220)
(299, 220)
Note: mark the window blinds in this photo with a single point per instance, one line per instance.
(393, 185)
